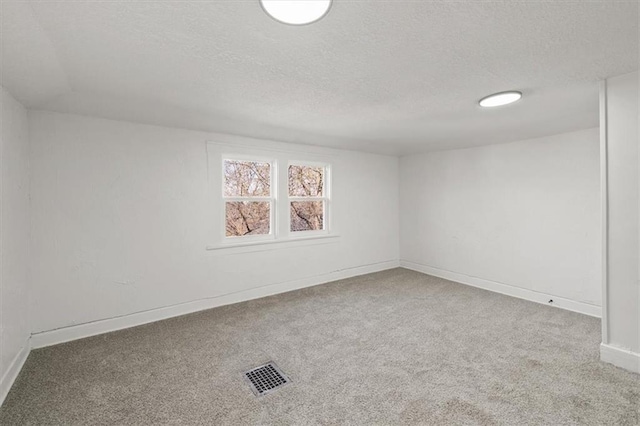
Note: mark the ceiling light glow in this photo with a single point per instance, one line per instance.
(296, 12)
(499, 99)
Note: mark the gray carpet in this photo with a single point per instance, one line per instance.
(396, 347)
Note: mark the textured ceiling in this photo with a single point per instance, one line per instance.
(382, 76)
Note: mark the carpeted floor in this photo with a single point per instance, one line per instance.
(396, 347)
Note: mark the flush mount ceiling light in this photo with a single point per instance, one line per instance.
(499, 99)
(296, 12)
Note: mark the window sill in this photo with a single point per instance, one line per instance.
(283, 243)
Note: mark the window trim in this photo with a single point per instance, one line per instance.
(282, 243)
(280, 238)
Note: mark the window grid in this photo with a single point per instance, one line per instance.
(324, 198)
(280, 224)
(271, 199)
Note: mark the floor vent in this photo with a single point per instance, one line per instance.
(266, 378)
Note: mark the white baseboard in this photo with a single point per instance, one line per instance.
(66, 334)
(620, 357)
(509, 290)
(11, 374)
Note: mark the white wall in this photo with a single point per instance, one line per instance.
(623, 288)
(121, 220)
(14, 239)
(521, 218)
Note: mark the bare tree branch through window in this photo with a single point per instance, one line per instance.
(306, 187)
(246, 180)
(250, 201)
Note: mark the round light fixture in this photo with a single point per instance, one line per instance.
(499, 99)
(296, 12)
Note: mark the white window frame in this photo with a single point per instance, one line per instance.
(326, 198)
(272, 199)
(280, 236)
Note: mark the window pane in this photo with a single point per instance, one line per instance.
(306, 181)
(307, 215)
(246, 178)
(247, 218)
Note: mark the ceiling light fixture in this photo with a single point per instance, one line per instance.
(296, 12)
(499, 99)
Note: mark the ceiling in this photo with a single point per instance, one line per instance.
(394, 77)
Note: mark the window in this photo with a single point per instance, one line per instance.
(248, 198)
(307, 197)
(269, 197)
